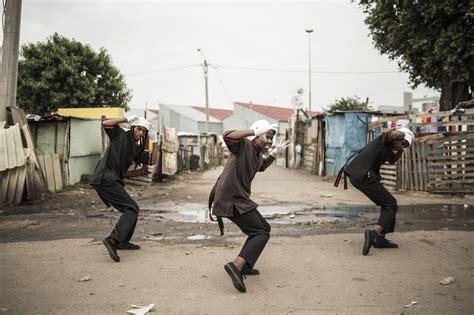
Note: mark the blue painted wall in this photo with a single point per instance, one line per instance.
(345, 134)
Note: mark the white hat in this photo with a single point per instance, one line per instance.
(261, 124)
(408, 134)
(142, 122)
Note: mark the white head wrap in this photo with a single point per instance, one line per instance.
(261, 123)
(409, 136)
(142, 122)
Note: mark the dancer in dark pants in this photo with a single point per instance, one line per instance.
(232, 192)
(125, 148)
(364, 174)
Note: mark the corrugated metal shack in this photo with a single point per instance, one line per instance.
(199, 151)
(77, 143)
(345, 134)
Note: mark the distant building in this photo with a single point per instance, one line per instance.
(395, 109)
(190, 119)
(150, 114)
(409, 105)
(247, 113)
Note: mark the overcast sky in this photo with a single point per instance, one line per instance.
(258, 51)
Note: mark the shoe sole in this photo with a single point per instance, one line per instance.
(367, 245)
(253, 272)
(389, 247)
(114, 256)
(127, 248)
(235, 279)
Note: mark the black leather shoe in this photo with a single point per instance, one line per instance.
(111, 248)
(236, 275)
(382, 242)
(369, 237)
(127, 246)
(246, 271)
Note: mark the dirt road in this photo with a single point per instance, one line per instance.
(312, 264)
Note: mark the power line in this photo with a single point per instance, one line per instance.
(261, 69)
(222, 83)
(303, 71)
(161, 70)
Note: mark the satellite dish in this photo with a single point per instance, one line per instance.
(297, 102)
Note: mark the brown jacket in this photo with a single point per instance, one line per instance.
(233, 186)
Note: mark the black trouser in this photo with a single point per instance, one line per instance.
(257, 229)
(376, 192)
(116, 196)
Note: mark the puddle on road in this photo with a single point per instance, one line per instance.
(299, 213)
(285, 214)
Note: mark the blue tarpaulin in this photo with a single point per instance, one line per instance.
(346, 133)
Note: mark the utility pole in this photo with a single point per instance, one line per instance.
(10, 49)
(205, 68)
(309, 31)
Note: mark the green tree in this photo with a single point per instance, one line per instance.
(431, 40)
(346, 104)
(66, 73)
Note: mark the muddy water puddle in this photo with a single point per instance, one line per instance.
(289, 213)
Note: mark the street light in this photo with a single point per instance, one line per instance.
(204, 67)
(309, 31)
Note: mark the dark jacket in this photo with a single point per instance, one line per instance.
(368, 161)
(122, 151)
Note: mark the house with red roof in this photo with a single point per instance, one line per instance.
(192, 119)
(218, 113)
(247, 113)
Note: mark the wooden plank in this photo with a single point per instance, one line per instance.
(454, 169)
(30, 184)
(40, 160)
(39, 177)
(451, 191)
(453, 138)
(20, 157)
(451, 157)
(12, 181)
(451, 176)
(419, 167)
(18, 116)
(4, 185)
(447, 163)
(48, 170)
(58, 180)
(30, 145)
(65, 160)
(389, 177)
(450, 181)
(388, 172)
(20, 185)
(447, 142)
(415, 167)
(402, 172)
(10, 149)
(442, 124)
(39, 184)
(424, 149)
(464, 149)
(3, 150)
